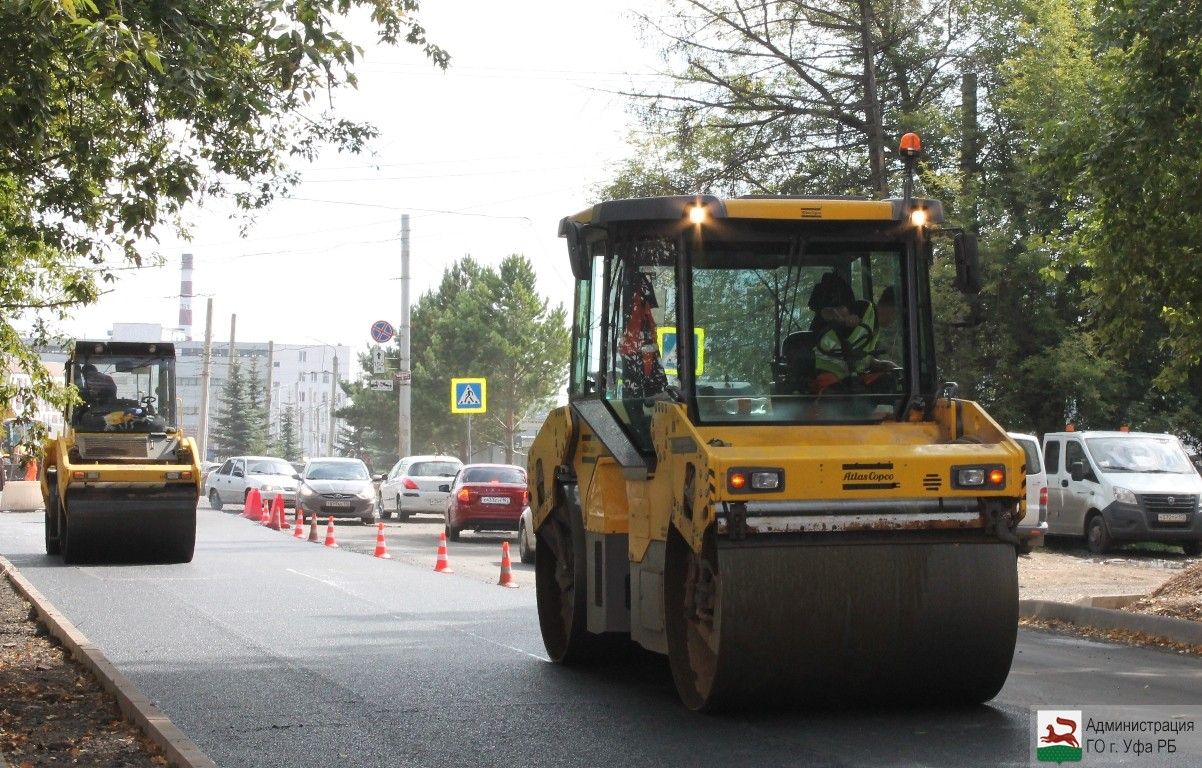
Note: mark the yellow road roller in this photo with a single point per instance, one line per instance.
(122, 482)
(759, 472)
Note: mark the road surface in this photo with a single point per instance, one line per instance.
(269, 651)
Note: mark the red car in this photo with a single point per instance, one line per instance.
(486, 497)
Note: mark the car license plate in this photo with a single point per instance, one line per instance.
(338, 504)
(494, 499)
(1172, 517)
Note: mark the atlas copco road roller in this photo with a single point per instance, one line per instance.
(759, 473)
(122, 482)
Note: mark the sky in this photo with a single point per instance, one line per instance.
(485, 158)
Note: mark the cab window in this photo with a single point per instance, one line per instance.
(1073, 452)
(1051, 457)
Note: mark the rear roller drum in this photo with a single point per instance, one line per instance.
(853, 621)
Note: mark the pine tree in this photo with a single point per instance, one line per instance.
(256, 410)
(287, 445)
(231, 435)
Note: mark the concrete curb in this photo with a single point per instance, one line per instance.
(1163, 627)
(179, 749)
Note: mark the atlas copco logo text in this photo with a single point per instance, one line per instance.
(872, 477)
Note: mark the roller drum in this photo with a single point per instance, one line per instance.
(930, 622)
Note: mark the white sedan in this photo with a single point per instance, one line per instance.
(412, 486)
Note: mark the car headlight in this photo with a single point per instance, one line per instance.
(269, 488)
(1124, 496)
(306, 490)
(367, 493)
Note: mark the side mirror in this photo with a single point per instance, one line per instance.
(577, 251)
(296, 476)
(444, 488)
(239, 473)
(377, 478)
(1077, 471)
(968, 263)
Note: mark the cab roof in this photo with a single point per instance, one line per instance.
(773, 208)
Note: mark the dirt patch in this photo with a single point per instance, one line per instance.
(1180, 597)
(52, 711)
(1070, 575)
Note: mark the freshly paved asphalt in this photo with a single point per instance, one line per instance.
(270, 651)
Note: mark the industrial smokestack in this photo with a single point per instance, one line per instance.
(185, 297)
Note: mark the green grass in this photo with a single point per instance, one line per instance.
(1060, 753)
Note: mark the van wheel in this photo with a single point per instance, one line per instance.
(1097, 535)
(1192, 548)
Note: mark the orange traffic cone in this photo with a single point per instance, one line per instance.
(274, 513)
(330, 534)
(252, 508)
(443, 565)
(299, 530)
(313, 528)
(278, 504)
(381, 547)
(506, 574)
(265, 512)
(31, 470)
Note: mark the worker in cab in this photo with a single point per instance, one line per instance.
(98, 387)
(850, 337)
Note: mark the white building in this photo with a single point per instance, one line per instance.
(302, 376)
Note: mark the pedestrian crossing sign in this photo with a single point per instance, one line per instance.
(469, 395)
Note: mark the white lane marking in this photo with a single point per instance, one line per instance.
(321, 581)
(490, 641)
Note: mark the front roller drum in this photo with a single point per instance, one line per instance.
(846, 623)
(154, 525)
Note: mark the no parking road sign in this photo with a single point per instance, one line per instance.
(382, 331)
(469, 395)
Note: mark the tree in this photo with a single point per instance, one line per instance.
(115, 114)
(784, 97)
(480, 321)
(231, 434)
(255, 414)
(286, 444)
(1139, 167)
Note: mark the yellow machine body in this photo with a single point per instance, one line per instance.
(864, 569)
(121, 484)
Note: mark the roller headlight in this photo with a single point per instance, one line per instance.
(979, 476)
(755, 480)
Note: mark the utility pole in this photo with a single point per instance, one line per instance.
(270, 377)
(233, 323)
(333, 391)
(202, 430)
(404, 374)
(969, 163)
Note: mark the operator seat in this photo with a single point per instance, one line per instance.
(798, 367)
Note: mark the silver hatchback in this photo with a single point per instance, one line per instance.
(412, 484)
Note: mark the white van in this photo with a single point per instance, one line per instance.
(1122, 486)
(1035, 522)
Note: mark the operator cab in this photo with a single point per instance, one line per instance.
(787, 319)
(125, 387)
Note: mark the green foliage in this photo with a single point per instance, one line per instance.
(480, 321)
(240, 428)
(1140, 168)
(255, 414)
(1081, 174)
(286, 444)
(231, 430)
(115, 114)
